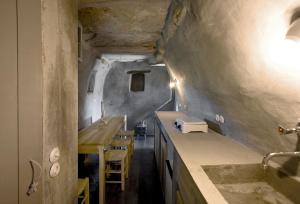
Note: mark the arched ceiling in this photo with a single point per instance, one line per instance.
(123, 25)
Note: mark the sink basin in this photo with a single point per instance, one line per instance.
(243, 184)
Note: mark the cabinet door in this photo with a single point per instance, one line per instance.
(157, 144)
(185, 188)
(168, 183)
(163, 157)
(8, 103)
(179, 199)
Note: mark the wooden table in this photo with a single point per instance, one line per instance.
(93, 139)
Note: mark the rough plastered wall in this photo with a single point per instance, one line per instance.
(59, 48)
(138, 106)
(231, 58)
(89, 104)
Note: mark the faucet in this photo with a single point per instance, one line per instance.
(285, 131)
(268, 156)
(282, 131)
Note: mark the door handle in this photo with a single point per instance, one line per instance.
(32, 188)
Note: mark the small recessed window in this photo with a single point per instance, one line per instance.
(137, 83)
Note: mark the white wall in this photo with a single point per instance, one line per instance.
(90, 103)
(93, 100)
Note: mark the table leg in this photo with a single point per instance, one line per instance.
(87, 192)
(101, 175)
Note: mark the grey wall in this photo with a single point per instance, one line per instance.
(231, 58)
(59, 63)
(119, 100)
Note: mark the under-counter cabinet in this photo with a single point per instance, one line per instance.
(176, 182)
(164, 159)
(163, 156)
(188, 155)
(157, 143)
(185, 190)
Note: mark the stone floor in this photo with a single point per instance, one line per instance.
(142, 186)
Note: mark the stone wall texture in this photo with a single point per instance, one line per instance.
(231, 58)
(138, 106)
(59, 64)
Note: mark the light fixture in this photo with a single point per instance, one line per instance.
(158, 65)
(281, 51)
(294, 31)
(173, 83)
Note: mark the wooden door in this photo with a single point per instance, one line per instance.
(8, 102)
(20, 99)
(30, 100)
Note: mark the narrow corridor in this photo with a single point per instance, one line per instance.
(143, 185)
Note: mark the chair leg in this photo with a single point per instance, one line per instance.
(122, 175)
(129, 154)
(127, 167)
(132, 148)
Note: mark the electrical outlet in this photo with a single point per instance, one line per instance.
(221, 119)
(54, 155)
(54, 170)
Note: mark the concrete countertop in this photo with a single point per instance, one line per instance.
(198, 149)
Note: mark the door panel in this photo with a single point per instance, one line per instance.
(8, 103)
(157, 144)
(163, 157)
(30, 97)
(21, 99)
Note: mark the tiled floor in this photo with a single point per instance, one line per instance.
(142, 186)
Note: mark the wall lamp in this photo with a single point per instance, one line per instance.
(283, 52)
(173, 83)
(294, 31)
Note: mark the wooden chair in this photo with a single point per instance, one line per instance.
(116, 162)
(128, 133)
(83, 191)
(120, 144)
(125, 138)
